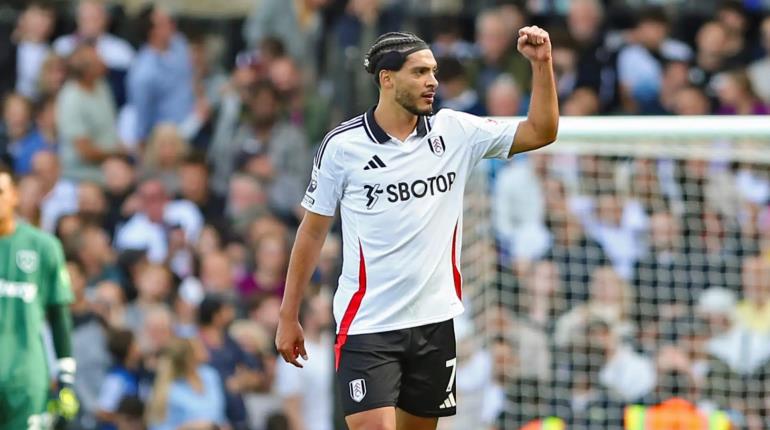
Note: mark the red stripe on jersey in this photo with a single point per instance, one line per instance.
(455, 271)
(352, 309)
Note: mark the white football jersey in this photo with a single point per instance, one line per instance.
(401, 205)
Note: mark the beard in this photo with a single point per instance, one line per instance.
(409, 103)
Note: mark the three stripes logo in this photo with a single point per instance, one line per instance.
(374, 163)
(449, 402)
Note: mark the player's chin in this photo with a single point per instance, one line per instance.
(426, 107)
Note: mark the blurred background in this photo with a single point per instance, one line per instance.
(168, 145)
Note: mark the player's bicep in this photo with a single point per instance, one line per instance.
(325, 189)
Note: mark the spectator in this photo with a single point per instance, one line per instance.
(270, 263)
(520, 227)
(246, 201)
(96, 257)
(564, 57)
(160, 80)
(302, 389)
(448, 40)
(91, 203)
(618, 228)
(59, 196)
(263, 309)
(583, 102)
(217, 273)
(250, 67)
(585, 26)
(130, 414)
(119, 183)
(271, 149)
(41, 138)
(628, 375)
(163, 155)
(640, 65)
(109, 302)
(85, 117)
(208, 77)
(30, 43)
(664, 289)
(299, 25)
(610, 300)
(539, 303)
(187, 393)
(455, 91)
(156, 334)
(154, 284)
(496, 47)
(736, 95)
(156, 220)
(690, 100)
(16, 126)
(354, 32)
(710, 57)
(30, 198)
(194, 186)
(117, 54)
(89, 342)
(53, 74)
(577, 255)
(304, 107)
(732, 15)
(122, 380)
(238, 370)
(503, 97)
(760, 69)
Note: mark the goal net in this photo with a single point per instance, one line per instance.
(617, 275)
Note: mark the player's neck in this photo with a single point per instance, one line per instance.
(7, 226)
(394, 119)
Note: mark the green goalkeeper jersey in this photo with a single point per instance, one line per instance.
(33, 275)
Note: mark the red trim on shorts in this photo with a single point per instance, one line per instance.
(458, 277)
(352, 309)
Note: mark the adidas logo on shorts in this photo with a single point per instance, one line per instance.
(449, 402)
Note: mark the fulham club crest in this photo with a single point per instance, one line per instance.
(437, 146)
(357, 390)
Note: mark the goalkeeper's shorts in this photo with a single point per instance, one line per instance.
(23, 403)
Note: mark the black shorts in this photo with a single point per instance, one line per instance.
(413, 369)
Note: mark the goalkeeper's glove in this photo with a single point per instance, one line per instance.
(65, 403)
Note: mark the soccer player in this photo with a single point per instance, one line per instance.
(34, 284)
(398, 172)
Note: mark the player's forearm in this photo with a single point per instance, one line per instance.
(304, 258)
(60, 320)
(544, 106)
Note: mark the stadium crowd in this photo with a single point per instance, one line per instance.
(170, 158)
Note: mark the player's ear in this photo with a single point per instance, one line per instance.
(386, 79)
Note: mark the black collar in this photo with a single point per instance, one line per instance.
(377, 134)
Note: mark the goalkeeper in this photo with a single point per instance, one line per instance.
(34, 284)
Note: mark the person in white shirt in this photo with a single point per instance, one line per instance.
(398, 172)
(156, 226)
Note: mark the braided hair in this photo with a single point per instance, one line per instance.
(389, 52)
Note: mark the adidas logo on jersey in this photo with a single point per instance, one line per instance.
(449, 402)
(375, 163)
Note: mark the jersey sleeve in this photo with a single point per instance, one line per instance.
(326, 180)
(489, 138)
(57, 277)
